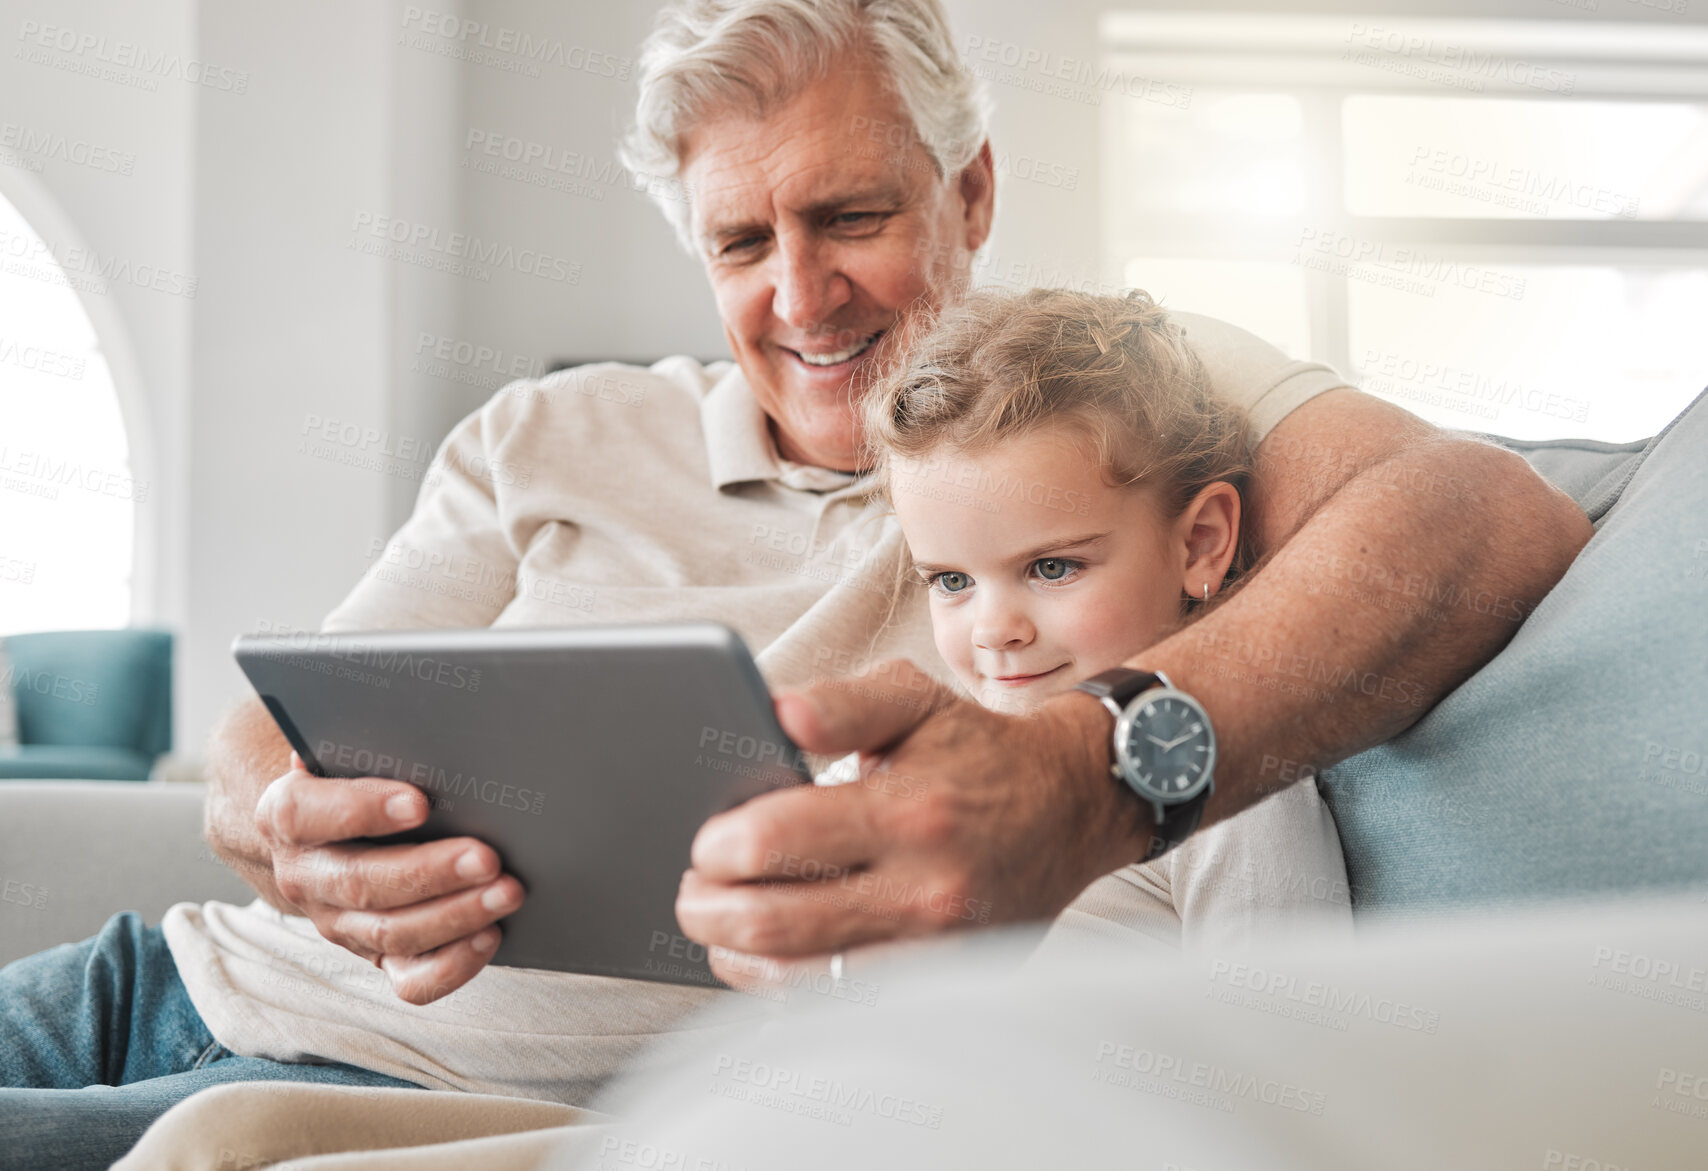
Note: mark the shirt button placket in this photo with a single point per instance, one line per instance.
(824, 508)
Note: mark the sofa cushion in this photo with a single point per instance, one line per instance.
(73, 853)
(1577, 760)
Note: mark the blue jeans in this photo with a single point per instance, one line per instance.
(99, 1038)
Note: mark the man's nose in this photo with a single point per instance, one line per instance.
(810, 286)
(1000, 625)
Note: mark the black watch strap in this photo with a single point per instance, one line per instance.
(1117, 686)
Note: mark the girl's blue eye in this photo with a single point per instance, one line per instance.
(951, 582)
(1053, 568)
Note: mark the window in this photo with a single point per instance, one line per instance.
(67, 500)
(1502, 226)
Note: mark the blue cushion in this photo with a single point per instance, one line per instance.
(93, 688)
(1575, 762)
(58, 762)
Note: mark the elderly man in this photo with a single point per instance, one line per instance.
(734, 492)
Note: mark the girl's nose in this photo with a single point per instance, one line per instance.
(1001, 627)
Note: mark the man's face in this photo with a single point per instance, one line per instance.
(820, 225)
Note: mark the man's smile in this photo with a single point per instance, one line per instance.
(825, 359)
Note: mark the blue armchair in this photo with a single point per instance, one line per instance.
(91, 704)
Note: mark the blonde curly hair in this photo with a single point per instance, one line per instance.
(1117, 371)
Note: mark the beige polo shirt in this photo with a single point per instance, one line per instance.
(604, 494)
(610, 494)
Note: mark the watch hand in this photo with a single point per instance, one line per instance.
(1158, 743)
(1181, 740)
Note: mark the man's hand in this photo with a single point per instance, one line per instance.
(425, 913)
(959, 819)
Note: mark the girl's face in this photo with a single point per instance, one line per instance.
(1041, 574)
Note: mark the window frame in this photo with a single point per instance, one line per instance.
(1304, 57)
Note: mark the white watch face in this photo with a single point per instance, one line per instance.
(1166, 748)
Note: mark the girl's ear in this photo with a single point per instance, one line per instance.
(1209, 532)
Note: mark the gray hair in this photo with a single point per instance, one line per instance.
(753, 55)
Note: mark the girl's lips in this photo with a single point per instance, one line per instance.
(1013, 680)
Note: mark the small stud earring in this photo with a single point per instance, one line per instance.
(1206, 591)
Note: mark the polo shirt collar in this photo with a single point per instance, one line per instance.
(739, 448)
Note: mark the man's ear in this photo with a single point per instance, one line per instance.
(978, 197)
(1209, 531)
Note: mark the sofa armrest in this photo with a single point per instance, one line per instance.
(73, 853)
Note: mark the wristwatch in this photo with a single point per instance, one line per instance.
(1165, 749)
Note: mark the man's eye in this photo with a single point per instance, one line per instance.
(856, 219)
(1054, 568)
(746, 243)
(950, 582)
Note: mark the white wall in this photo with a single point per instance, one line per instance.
(291, 324)
(351, 109)
(140, 219)
(640, 295)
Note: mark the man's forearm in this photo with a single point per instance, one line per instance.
(1410, 577)
(245, 754)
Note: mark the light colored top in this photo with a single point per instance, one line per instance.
(1273, 870)
(604, 494)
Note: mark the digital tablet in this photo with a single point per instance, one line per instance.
(588, 757)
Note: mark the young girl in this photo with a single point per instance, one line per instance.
(1070, 494)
